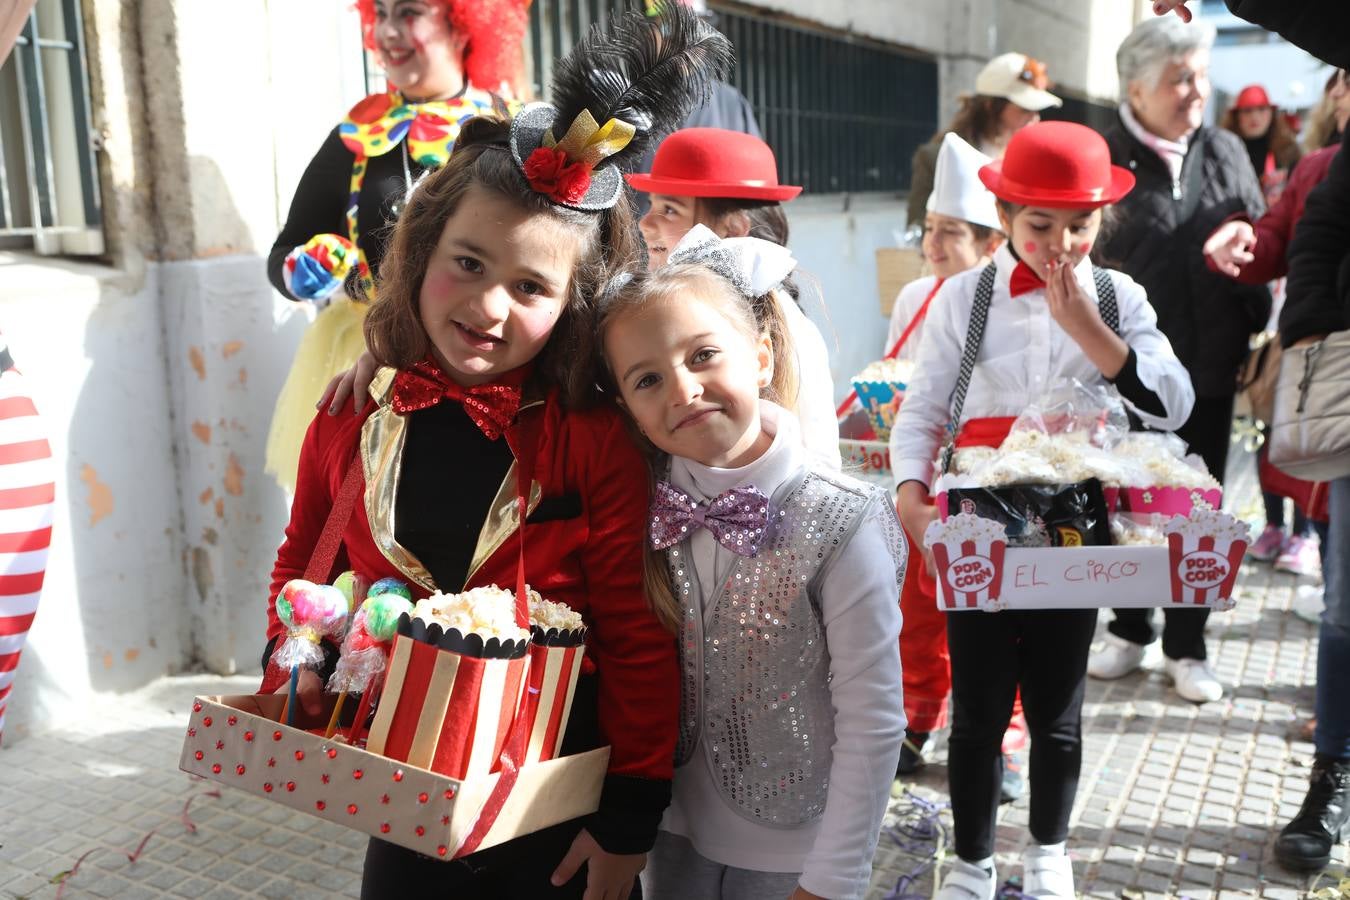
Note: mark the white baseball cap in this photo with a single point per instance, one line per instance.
(957, 189)
(1019, 78)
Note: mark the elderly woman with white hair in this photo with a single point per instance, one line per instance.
(1190, 178)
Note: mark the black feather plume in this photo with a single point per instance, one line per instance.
(648, 71)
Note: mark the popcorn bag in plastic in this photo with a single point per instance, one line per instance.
(968, 552)
(1205, 551)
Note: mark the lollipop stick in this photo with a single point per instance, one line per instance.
(337, 711)
(363, 708)
(290, 697)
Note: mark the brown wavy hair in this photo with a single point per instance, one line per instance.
(608, 243)
(754, 318)
(976, 120)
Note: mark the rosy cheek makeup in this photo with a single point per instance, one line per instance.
(1084, 249)
(1030, 247)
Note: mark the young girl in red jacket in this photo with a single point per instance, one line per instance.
(483, 321)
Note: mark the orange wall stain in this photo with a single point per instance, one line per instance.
(231, 348)
(234, 477)
(202, 431)
(100, 500)
(198, 362)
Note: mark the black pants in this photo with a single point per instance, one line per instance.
(1208, 432)
(516, 870)
(1045, 652)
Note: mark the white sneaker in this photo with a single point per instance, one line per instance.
(1115, 660)
(966, 881)
(1309, 603)
(1193, 679)
(1047, 873)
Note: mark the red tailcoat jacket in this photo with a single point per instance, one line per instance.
(592, 562)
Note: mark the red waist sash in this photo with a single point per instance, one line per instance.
(986, 432)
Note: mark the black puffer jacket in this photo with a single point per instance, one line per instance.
(1322, 27)
(1208, 318)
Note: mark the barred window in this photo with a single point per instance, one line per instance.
(49, 193)
(855, 130)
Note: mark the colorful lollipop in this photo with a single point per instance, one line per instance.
(310, 613)
(353, 587)
(365, 650)
(389, 586)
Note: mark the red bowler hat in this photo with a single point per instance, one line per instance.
(714, 162)
(1252, 95)
(1059, 165)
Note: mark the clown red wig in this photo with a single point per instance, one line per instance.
(494, 29)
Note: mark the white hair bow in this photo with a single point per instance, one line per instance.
(753, 265)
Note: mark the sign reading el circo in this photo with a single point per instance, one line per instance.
(970, 573)
(1202, 569)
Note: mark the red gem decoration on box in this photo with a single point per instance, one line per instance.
(268, 787)
(206, 722)
(220, 745)
(385, 799)
(449, 793)
(442, 850)
(271, 762)
(299, 755)
(351, 809)
(199, 755)
(216, 769)
(445, 820)
(239, 770)
(398, 776)
(422, 797)
(357, 773)
(276, 735)
(290, 785)
(384, 828)
(320, 805)
(332, 753)
(420, 830)
(232, 720)
(196, 707)
(324, 777)
(192, 732)
(248, 736)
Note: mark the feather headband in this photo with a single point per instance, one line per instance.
(619, 91)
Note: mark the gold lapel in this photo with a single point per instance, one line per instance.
(503, 516)
(382, 440)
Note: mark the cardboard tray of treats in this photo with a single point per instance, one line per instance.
(861, 453)
(239, 741)
(1196, 566)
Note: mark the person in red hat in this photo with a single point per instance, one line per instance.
(1270, 143)
(1050, 318)
(728, 181)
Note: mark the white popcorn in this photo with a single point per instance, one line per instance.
(964, 527)
(547, 614)
(895, 371)
(1205, 521)
(485, 611)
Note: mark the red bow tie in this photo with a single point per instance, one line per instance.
(1024, 280)
(492, 407)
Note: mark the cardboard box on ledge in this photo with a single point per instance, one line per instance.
(238, 741)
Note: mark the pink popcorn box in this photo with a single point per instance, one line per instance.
(1168, 501)
(1203, 570)
(971, 573)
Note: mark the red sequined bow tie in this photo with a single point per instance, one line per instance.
(1024, 280)
(492, 407)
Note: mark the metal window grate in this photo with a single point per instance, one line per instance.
(48, 173)
(842, 114)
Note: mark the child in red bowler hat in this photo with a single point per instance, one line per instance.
(728, 181)
(1038, 317)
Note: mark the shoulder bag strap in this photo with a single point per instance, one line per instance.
(979, 316)
(320, 567)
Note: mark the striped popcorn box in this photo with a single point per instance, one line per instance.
(555, 663)
(1205, 551)
(968, 553)
(449, 699)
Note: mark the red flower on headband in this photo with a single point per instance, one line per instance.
(549, 172)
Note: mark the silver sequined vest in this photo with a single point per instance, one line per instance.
(754, 664)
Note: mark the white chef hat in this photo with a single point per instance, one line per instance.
(957, 189)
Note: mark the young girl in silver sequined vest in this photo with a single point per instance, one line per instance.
(783, 581)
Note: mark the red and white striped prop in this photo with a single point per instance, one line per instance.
(968, 554)
(552, 685)
(27, 496)
(1204, 553)
(444, 711)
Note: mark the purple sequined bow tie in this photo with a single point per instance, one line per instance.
(737, 518)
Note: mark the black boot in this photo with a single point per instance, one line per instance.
(911, 752)
(1304, 845)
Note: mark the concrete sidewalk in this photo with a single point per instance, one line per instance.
(1175, 799)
